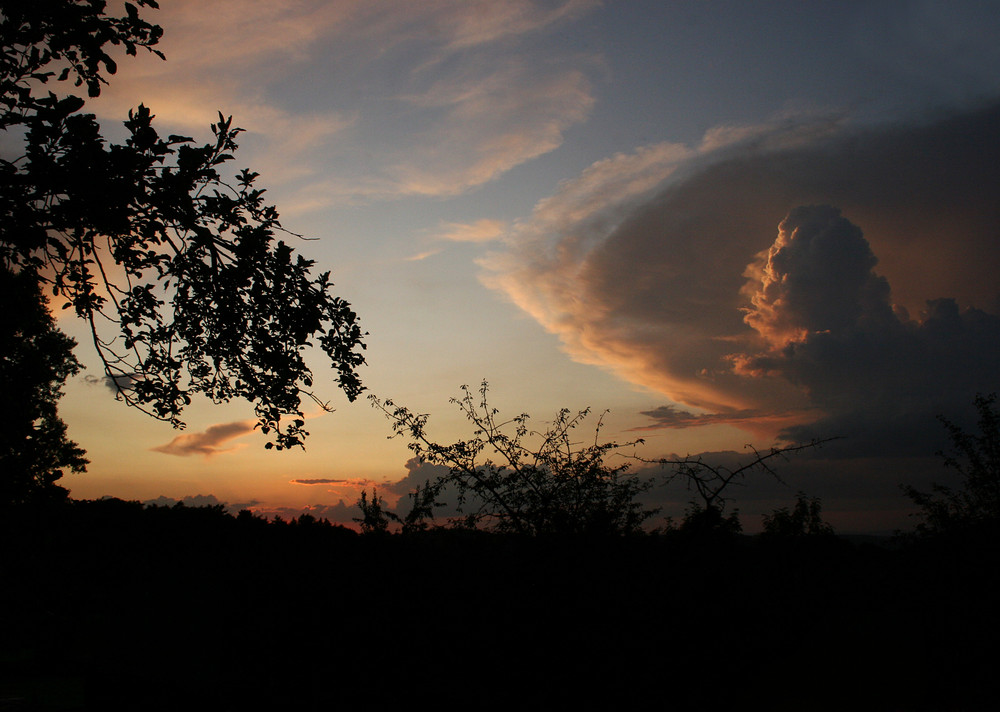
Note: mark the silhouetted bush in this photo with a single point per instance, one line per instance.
(804, 519)
(973, 509)
(506, 484)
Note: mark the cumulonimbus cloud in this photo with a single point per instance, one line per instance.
(817, 277)
(208, 442)
(669, 268)
(829, 327)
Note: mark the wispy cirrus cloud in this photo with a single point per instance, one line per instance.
(479, 231)
(478, 24)
(423, 255)
(484, 230)
(209, 442)
(349, 482)
(474, 127)
(376, 125)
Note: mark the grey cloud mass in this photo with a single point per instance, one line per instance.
(859, 317)
(113, 383)
(878, 375)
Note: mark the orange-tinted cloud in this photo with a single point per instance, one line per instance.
(484, 230)
(209, 442)
(351, 482)
(669, 268)
(818, 276)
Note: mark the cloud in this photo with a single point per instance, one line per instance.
(484, 230)
(817, 277)
(476, 125)
(113, 383)
(764, 421)
(320, 481)
(663, 266)
(417, 475)
(488, 22)
(339, 513)
(422, 255)
(207, 443)
(563, 267)
(351, 482)
(200, 500)
(375, 123)
(827, 319)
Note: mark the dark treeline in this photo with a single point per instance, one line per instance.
(108, 604)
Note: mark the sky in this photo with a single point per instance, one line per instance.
(726, 223)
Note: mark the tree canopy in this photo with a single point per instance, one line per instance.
(35, 360)
(176, 267)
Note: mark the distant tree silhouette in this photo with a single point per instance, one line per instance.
(149, 238)
(804, 519)
(712, 482)
(35, 361)
(702, 520)
(975, 506)
(505, 483)
(374, 518)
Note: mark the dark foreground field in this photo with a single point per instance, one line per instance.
(106, 605)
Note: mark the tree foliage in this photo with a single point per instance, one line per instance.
(374, 517)
(35, 361)
(975, 458)
(509, 478)
(804, 519)
(175, 267)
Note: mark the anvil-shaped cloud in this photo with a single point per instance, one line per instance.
(664, 267)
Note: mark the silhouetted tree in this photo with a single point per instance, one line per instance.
(711, 483)
(505, 483)
(701, 520)
(35, 361)
(976, 459)
(804, 519)
(149, 238)
(422, 503)
(374, 518)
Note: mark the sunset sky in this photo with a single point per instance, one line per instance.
(725, 222)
